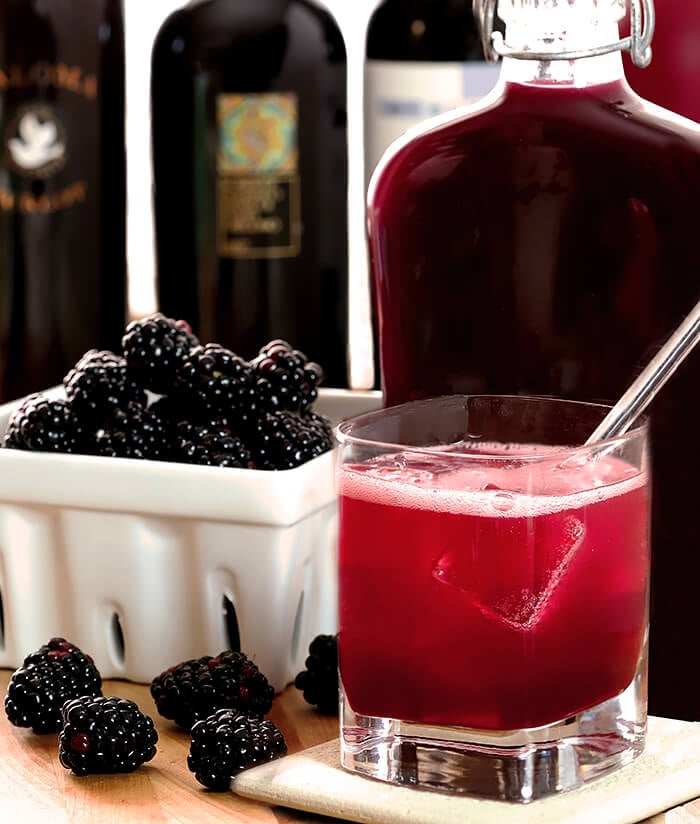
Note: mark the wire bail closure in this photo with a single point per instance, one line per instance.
(638, 43)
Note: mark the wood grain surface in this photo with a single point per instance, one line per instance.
(34, 787)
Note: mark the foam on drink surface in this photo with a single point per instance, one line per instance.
(489, 480)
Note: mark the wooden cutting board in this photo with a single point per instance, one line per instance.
(665, 775)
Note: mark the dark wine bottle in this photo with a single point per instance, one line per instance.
(423, 58)
(62, 187)
(250, 176)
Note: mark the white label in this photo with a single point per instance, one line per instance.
(399, 95)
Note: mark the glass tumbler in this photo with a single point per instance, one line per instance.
(493, 595)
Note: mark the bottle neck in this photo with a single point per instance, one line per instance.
(563, 36)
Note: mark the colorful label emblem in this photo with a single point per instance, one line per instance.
(258, 180)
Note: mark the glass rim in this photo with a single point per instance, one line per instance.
(343, 429)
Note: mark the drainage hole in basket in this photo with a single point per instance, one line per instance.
(231, 632)
(296, 631)
(116, 638)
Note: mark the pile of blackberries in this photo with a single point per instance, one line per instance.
(59, 689)
(220, 700)
(168, 397)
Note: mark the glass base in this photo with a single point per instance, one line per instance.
(520, 765)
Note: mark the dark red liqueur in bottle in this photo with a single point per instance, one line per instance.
(250, 166)
(546, 243)
(672, 77)
(62, 187)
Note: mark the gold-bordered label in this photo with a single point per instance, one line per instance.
(258, 189)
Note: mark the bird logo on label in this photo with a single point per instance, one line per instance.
(37, 145)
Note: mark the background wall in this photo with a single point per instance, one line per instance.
(142, 20)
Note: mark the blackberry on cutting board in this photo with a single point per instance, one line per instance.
(285, 378)
(284, 440)
(43, 424)
(210, 444)
(194, 689)
(105, 735)
(154, 349)
(319, 680)
(134, 432)
(56, 672)
(228, 742)
(217, 382)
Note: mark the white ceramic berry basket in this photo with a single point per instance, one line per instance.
(145, 564)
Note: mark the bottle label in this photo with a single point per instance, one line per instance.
(258, 197)
(402, 94)
(35, 142)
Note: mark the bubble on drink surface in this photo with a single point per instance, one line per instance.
(502, 501)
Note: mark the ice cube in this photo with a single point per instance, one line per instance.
(511, 576)
(411, 467)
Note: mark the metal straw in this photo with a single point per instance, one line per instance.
(644, 388)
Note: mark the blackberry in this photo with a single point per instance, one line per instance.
(285, 378)
(105, 735)
(56, 672)
(321, 424)
(217, 381)
(134, 432)
(154, 348)
(42, 424)
(283, 440)
(228, 742)
(99, 383)
(319, 680)
(175, 409)
(210, 444)
(194, 689)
